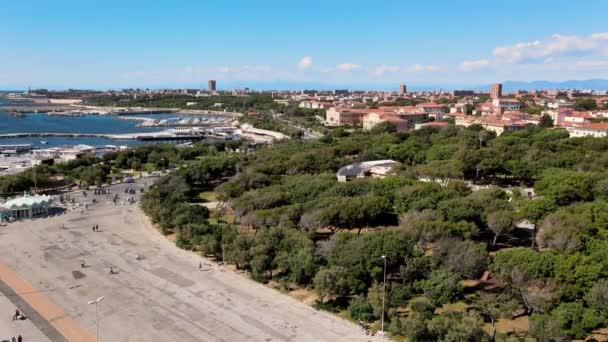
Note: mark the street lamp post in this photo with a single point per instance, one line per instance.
(383, 295)
(96, 302)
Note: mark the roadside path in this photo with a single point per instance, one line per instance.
(37, 307)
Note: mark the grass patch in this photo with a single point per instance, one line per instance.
(207, 196)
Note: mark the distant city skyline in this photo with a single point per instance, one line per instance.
(277, 44)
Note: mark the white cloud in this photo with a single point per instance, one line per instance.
(557, 45)
(423, 67)
(348, 67)
(473, 65)
(382, 69)
(305, 63)
(244, 68)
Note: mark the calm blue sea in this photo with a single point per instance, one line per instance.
(103, 124)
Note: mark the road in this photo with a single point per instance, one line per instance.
(158, 292)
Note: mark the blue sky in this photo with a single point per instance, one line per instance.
(103, 44)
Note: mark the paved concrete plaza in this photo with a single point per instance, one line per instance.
(158, 292)
(10, 328)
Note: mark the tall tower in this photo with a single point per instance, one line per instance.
(496, 90)
(211, 85)
(402, 89)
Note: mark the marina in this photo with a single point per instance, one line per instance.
(42, 130)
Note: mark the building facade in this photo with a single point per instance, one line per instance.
(211, 85)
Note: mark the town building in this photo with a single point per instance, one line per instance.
(597, 130)
(506, 105)
(211, 85)
(402, 89)
(496, 91)
(560, 103)
(375, 169)
(433, 110)
(339, 116)
(65, 153)
(372, 119)
(309, 104)
(494, 123)
(28, 206)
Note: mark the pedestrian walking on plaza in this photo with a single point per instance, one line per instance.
(17, 314)
(13, 339)
(19, 338)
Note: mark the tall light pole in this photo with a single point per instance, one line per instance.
(383, 294)
(96, 302)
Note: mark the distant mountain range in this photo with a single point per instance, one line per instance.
(594, 84)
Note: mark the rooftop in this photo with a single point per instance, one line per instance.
(27, 201)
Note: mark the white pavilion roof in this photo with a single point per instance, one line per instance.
(27, 201)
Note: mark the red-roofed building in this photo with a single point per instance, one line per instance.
(338, 116)
(372, 119)
(598, 130)
(494, 123)
(507, 105)
(434, 110)
(402, 117)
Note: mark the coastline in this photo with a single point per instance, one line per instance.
(79, 110)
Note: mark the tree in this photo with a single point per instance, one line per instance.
(383, 127)
(565, 186)
(330, 282)
(441, 287)
(532, 264)
(237, 251)
(545, 328)
(534, 211)
(415, 328)
(545, 121)
(456, 326)
(563, 231)
(466, 258)
(500, 222)
(360, 309)
(585, 104)
(597, 297)
(300, 264)
(570, 319)
(495, 306)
